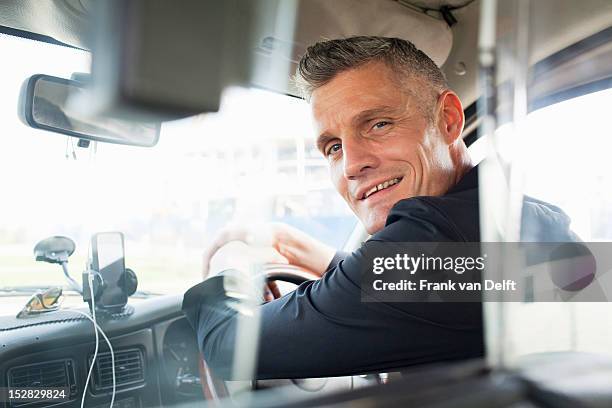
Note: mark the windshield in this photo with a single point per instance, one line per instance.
(253, 161)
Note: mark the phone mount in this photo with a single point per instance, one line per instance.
(107, 283)
(57, 249)
(99, 286)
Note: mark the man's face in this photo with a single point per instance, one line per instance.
(379, 141)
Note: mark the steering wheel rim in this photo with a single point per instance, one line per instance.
(287, 273)
(215, 389)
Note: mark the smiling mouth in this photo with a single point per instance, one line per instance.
(381, 186)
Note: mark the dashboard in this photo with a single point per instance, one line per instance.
(156, 359)
(156, 356)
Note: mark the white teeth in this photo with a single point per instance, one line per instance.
(381, 186)
(372, 190)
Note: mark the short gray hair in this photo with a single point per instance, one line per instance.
(324, 60)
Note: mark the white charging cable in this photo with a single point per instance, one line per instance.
(97, 329)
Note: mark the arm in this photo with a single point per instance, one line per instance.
(294, 246)
(323, 328)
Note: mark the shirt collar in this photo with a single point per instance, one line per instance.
(469, 181)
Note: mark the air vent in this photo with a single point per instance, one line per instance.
(129, 369)
(50, 374)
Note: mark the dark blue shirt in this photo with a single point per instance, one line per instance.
(323, 329)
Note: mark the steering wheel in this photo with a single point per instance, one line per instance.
(213, 387)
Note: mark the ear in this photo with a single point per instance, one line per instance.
(450, 116)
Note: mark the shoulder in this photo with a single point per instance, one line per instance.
(451, 217)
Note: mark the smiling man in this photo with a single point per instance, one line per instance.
(389, 126)
(391, 131)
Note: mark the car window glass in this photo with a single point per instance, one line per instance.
(565, 161)
(252, 161)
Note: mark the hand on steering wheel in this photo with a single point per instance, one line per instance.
(294, 246)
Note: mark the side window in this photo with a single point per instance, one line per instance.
(565, 160)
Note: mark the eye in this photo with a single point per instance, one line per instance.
(333, 149)
(381, 124)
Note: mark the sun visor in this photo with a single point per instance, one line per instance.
(323, 19)
(66, 21)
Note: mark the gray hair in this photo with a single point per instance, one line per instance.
(324, 60)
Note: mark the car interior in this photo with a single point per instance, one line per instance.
(136, 130)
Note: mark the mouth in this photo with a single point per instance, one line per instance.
(382, 186)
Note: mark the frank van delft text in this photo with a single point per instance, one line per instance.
(411, 264)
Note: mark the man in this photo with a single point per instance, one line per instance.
(391, 131)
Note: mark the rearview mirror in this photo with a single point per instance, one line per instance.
(46, 107)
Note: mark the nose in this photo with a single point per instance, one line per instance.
(358, 158)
